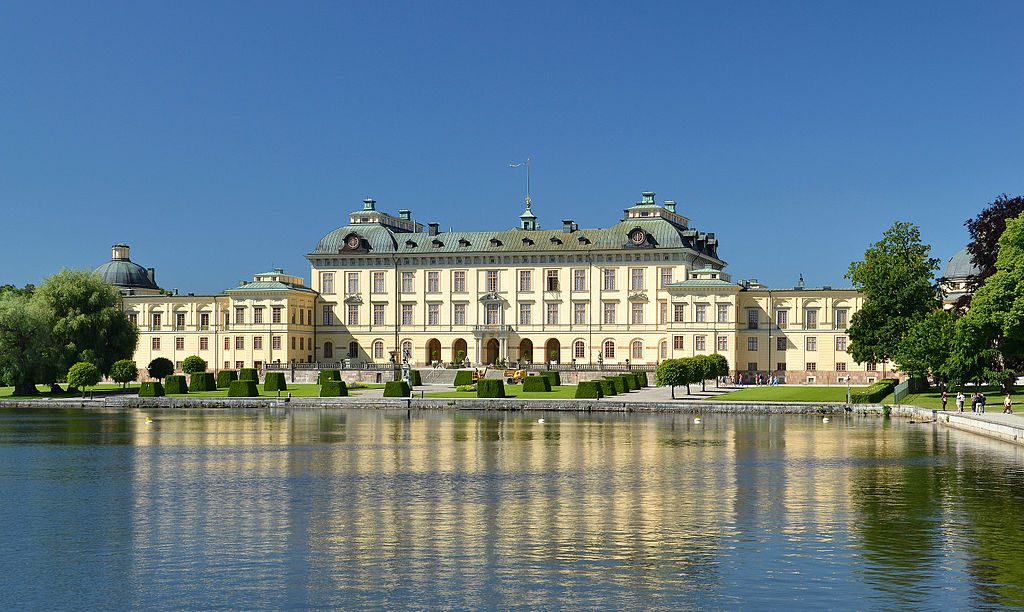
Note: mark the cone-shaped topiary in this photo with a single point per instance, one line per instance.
(396, 388)
(274, 381)
(414, 378)
(328, 375)
(224, 378)
(151, 389)
(629, 382)
(462, 378)
(608, 386)
(641, 377)
(490, 387)
(333, 388)
(589, 389)
(202, 381)
(175, 385)
(249, 374)
(537, 383)
(553, 376)
(243, 388)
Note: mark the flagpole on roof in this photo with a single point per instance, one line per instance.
(527, 164)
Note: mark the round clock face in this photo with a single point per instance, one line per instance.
(353, 242)
(638, 237)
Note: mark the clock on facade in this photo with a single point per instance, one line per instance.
(353, 242)
(638, 236)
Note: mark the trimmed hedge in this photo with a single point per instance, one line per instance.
(875, 393)
(333, 388)
(553, 376)
(414, 378)
(620, 384)
(607, 387)
(224, 378)
(490, 387)
(202, 381)
(629, 382)
(462, 378)
(589, 389)
(243, 388)
(249, 374)
(274, 381)
(175, 384)
(537, 383)
(396, 388)
(641, 379)
(328, 375)
(151, 389)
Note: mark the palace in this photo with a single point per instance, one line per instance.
(647, 288)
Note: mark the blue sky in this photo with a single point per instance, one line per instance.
(220, 139)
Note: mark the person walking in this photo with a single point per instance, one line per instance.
(1007, 403)
(974, 402)
(959, 401)
(945, 398)
(981, 403)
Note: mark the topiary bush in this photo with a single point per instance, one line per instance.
(607, 387)
(414, 378)
(490, 387)
(641, 379)
(875, 393)
(463, 377)
(193, 364)
(553, 376)
(274, 381)
(620, 385)
(175, 385)
(537, 383)
(151, 389)
(202, 381)
(333, 388)
(124, 371)
(396, 388)
(328, 375)
(160, 367)
(629, 382)
(589, 389)
(225, 377)
(249, 374)
(243, 388)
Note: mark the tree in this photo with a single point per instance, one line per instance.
(24, 342)
(985, 230)
(670, 373)
(193, 364)
(719, 366)
(926, 347)
(83, 374)
(702, 367)
(88, 324)
(124, 371)
(897, 279)
(160, 368)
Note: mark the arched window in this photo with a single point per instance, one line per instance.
(328, 350)
(663, 349)
(609, 349)
(636, 350)
(378, 349)
(406, 350)
(353, 349)
(579, 349)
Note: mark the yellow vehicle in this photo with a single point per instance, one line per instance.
(515, 377)
(478, 374)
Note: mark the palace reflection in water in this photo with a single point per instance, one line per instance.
(349, 508)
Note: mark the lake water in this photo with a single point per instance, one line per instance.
(368, 509)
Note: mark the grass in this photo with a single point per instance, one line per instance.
(993, 399)
(516, 391)
(784, 393)
(297, 390)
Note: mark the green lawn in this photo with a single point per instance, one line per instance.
(562, 392)
(297, 390)
(993, 399)
(784, 393)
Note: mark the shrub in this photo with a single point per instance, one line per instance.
(463, 377)
(553, 376)
(202, 381)
(414, 378)
(274, 381)
(243, 388)
(333, 388)
(620, 384)
(875, 393)
(490, 387)
(124, 371)
(589, 389)
(396, 388)
(537, 383)
(328, 375)
(607, 387)
(160, 368)
(629, 382)
(151, 389)
(249, 374)
(193, 364)
(175, 385)
(225, 377)
(83, 374)
(466, 388)
(641, 379)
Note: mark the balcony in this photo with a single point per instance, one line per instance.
(480, 331)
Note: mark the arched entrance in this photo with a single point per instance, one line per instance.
(432, 352)
(526, 351)
(493, 351)
(459, 351)
(553, 351)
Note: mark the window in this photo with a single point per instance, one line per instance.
(551, 314)
(525, 280)
(239, 316)
(678, 312)
(609, 349)
(841, 343)
(406, 349)
(579, 349)
(204, 320)
(663, 349)
(378, 349)
(636, 279)
(433, 282)
(407, 279)
(179, 320)
(204, 343)
(609, 313)
(275, 342)
(811, 318)
(840, 366)
(701, 313)
(781, 344)
(636, 350)
(525, 310)
(552, 280)
(579, 313)
(433, 314)
(781, 366)
(752, 344)
(257, 342)
(353, 349)
(352, 282)
(257, 315)
(459, 281)
(133, 318)
(579, 280)
(491, 281)
(608, 276)
(752, 318)
(328, 315)
(378, 314)
(406, 314)
(327, 282)
(353, 314)
(227, 365)
(811, 366)
(156, 344)
(328, 350)
(752, 366)
(842, 314)
(302, 317)
(302, 343)
(723, 343)
(155, 319)
(870, 366)
(664, 277)
(227, 343)
(492, 314)
(812, 343)
(662, 313)
(378, 282)
(275, 314)
(239, 365)
(239, 342)
(677, 343)
(723, 313)
(179, 343)
(293, 343)
(698, 343)
(459, 314)
(782, 318)
(636, 313)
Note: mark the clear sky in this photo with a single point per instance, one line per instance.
(219, 139)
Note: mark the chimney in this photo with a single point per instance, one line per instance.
(369, 204)
(405, 214)
(151, 273)
(670, 206)
(279, 270)
(175, 291)
(433, 227)
(647, 197)
(568, 226)
(119, 252)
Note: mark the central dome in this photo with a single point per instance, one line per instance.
(124, 274)
(960, 266)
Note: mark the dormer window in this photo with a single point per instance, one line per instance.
(527, 241)
(495, 242)
(556, 240)
(463, 242)
(437, 243)
(584, 240)
(410, 244)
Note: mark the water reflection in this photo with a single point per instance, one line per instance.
(354, 508)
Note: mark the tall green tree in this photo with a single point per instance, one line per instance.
(24, 342)
(897, 276)
(124, 371)
(985, 230)
(82, 375)
(927, 346)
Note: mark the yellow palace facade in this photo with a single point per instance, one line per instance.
(383, 286)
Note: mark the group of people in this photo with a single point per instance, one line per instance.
(759, 379)
(977, 402)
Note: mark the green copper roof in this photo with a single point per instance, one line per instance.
(263, 286)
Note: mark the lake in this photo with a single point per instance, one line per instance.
(369, 509)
